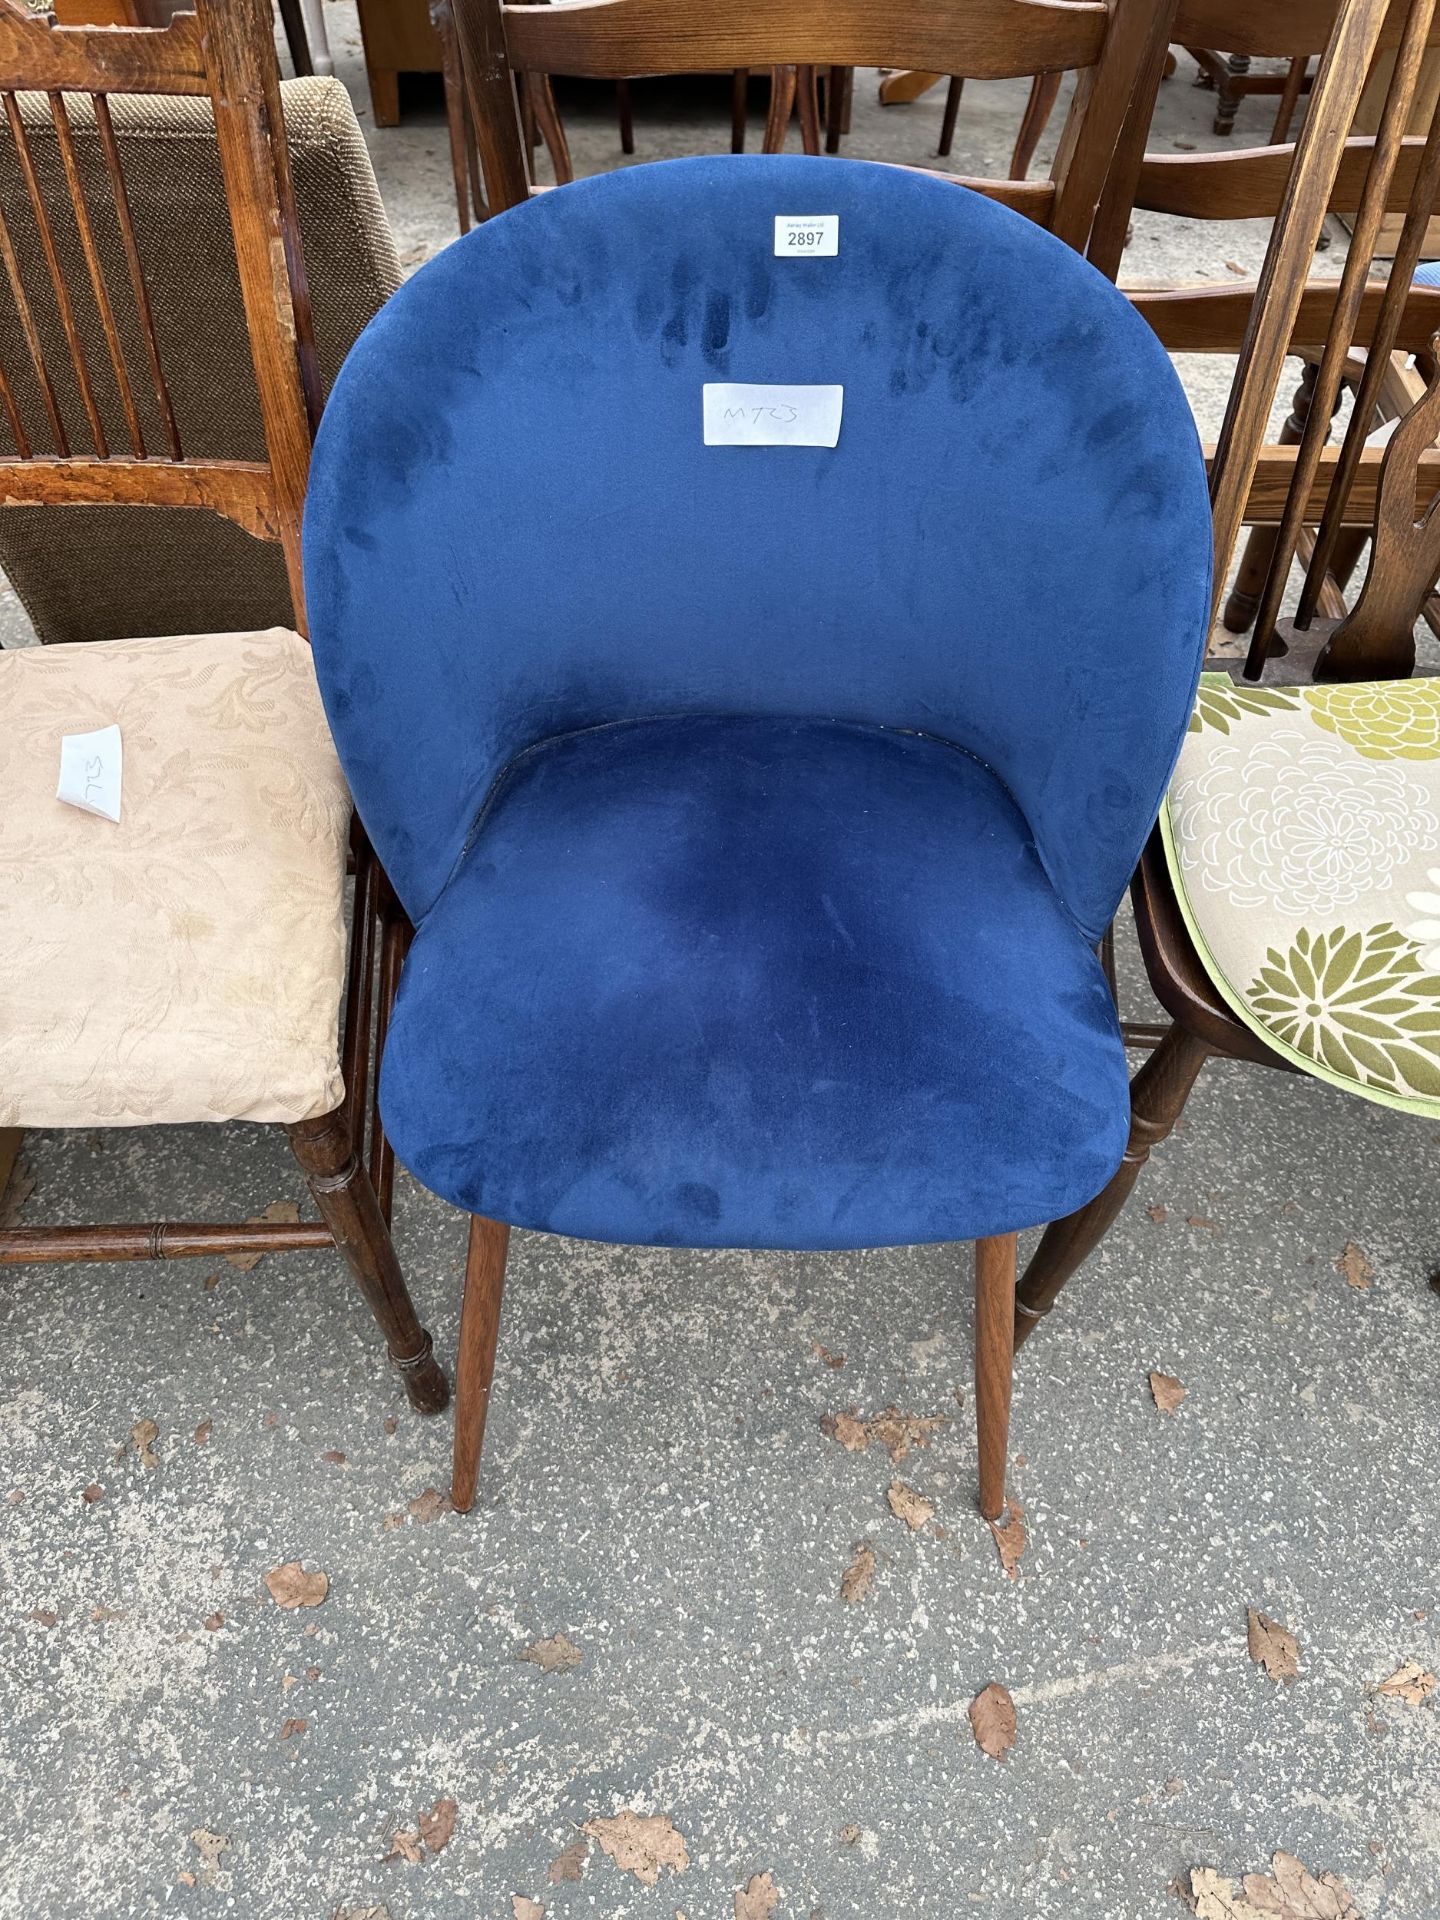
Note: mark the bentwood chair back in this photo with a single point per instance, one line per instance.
(1108, 45)
(759, 813)
(186, 960)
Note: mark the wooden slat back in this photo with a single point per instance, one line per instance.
(1248, 183)
(1273, 29)
(87, 408)
(1112, 44)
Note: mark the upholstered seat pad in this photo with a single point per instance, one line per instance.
(188, 963)
(718, 981)
(1302, 833)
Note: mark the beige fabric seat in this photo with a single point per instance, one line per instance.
(100, 573)
(187, 964)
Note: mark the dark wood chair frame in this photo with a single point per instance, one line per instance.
(1110, 48)
(225, 53)
(1405, 532)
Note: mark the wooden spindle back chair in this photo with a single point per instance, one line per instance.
(1368, 975)
(1110, 46)
(225, 54)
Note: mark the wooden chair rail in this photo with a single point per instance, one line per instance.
(243, 491)
(616, 39)
(1275, 474)
(1211, 319)
(157, 1240)
(1247, 184)
(36, 53)
(1273, 29)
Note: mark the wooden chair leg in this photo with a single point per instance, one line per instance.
(739, 108)
(1243, 601)
(625, 109)
(296, 38)
(1044, 92)
(782, 107)
(837, 85)
(952, 113)
(552, 129)
(1228, 94)
(346, 1199)
(807, 101)
(1157, 1094)
(994, 1368)
(475, 1364)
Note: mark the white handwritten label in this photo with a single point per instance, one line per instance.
(738, 414)
(807, 236)
(90, 772)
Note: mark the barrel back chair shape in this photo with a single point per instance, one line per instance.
(101, 573)
(1108, 45)
(188, 962)
(760, 814)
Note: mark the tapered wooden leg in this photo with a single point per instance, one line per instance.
(1044, 91)
(739, 108)
(807, 100)
(296, 38)
(782, 107)
(475, 1366)
(346, 1200)
(838, 81)
(994, 1370)
(1157, 1095)
(952, 113)
(626, 112)
(552, 129)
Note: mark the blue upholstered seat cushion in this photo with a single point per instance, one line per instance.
(721, 981)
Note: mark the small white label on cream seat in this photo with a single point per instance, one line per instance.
(807, 236)
(90, 772)
(738, 414)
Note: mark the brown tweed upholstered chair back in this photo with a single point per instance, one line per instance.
(96, 573)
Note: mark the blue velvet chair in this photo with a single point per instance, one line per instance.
(759, 807)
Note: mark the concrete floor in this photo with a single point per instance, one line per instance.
(658, 1488)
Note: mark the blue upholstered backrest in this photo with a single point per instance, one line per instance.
(514, 528)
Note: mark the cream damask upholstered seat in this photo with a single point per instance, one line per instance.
(187, 964)
(1302, 830)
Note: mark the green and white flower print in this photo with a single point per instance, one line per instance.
(1302, 829)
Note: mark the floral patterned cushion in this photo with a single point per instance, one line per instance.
(1302, 830)
(187, 963)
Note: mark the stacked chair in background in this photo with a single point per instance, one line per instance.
(190, 965)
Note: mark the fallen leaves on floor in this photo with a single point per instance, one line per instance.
(437, 1828)
(424, 1508)
(214, 1622)
(570, 1864)
(92, 1493)
(1289, 1892)
(293, 1729)
(558, 1654)
(291, 1586)
(826, 1358)
(1011, 1538)
(849, 1836)
(334, 1457)
(1167, 1391)
(524, 1908)
(1158, 1215)
(1411, 1683)
(1272, 1646)
(758, 1898)
(405, 1845)
(279, 1212)
(897, 1432)
(908, 1505)
(1356, 1268)
(203, 1433)
(210, 1847)
(143, 1436)
(1205, 1225)
(640, 1844)
(361, 1913)
(856, 1579)
(992, 1720)
(44, 1616)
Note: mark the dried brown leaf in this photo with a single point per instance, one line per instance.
(849, 1836)
(897, 1432)
(1010, 1537)
(844, 1428)
(1272, 1646)
(437, 1828)
(1410, 1682)
(291, 1586)
(214, 1622)
(405, 1845)
(1199, 1220)
(558, 1654)
(856, 1579)
(44, 1616)
(1288, 1892)
(1158, 1215)
(427, 1506)
(524, 1908)
(143, 1436)
(203, 1433)
(389, 1424)
(361, 1913)
(992, 1720)
(640, 1844)
(908, 1505)
(103, 1615)
(278, 1211)
(292, 1729)
(212, 1281)
(1166, 1391)
(92, 1493)
(757, 1898)
(570, 1864)
(1356, 1268)
(823, 1354)
(210, 1846)
(334, 1457)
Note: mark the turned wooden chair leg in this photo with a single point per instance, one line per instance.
(347, 1202)
(952, 113)
(994, 1363)
(475, 1365)
(1157, 1094)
